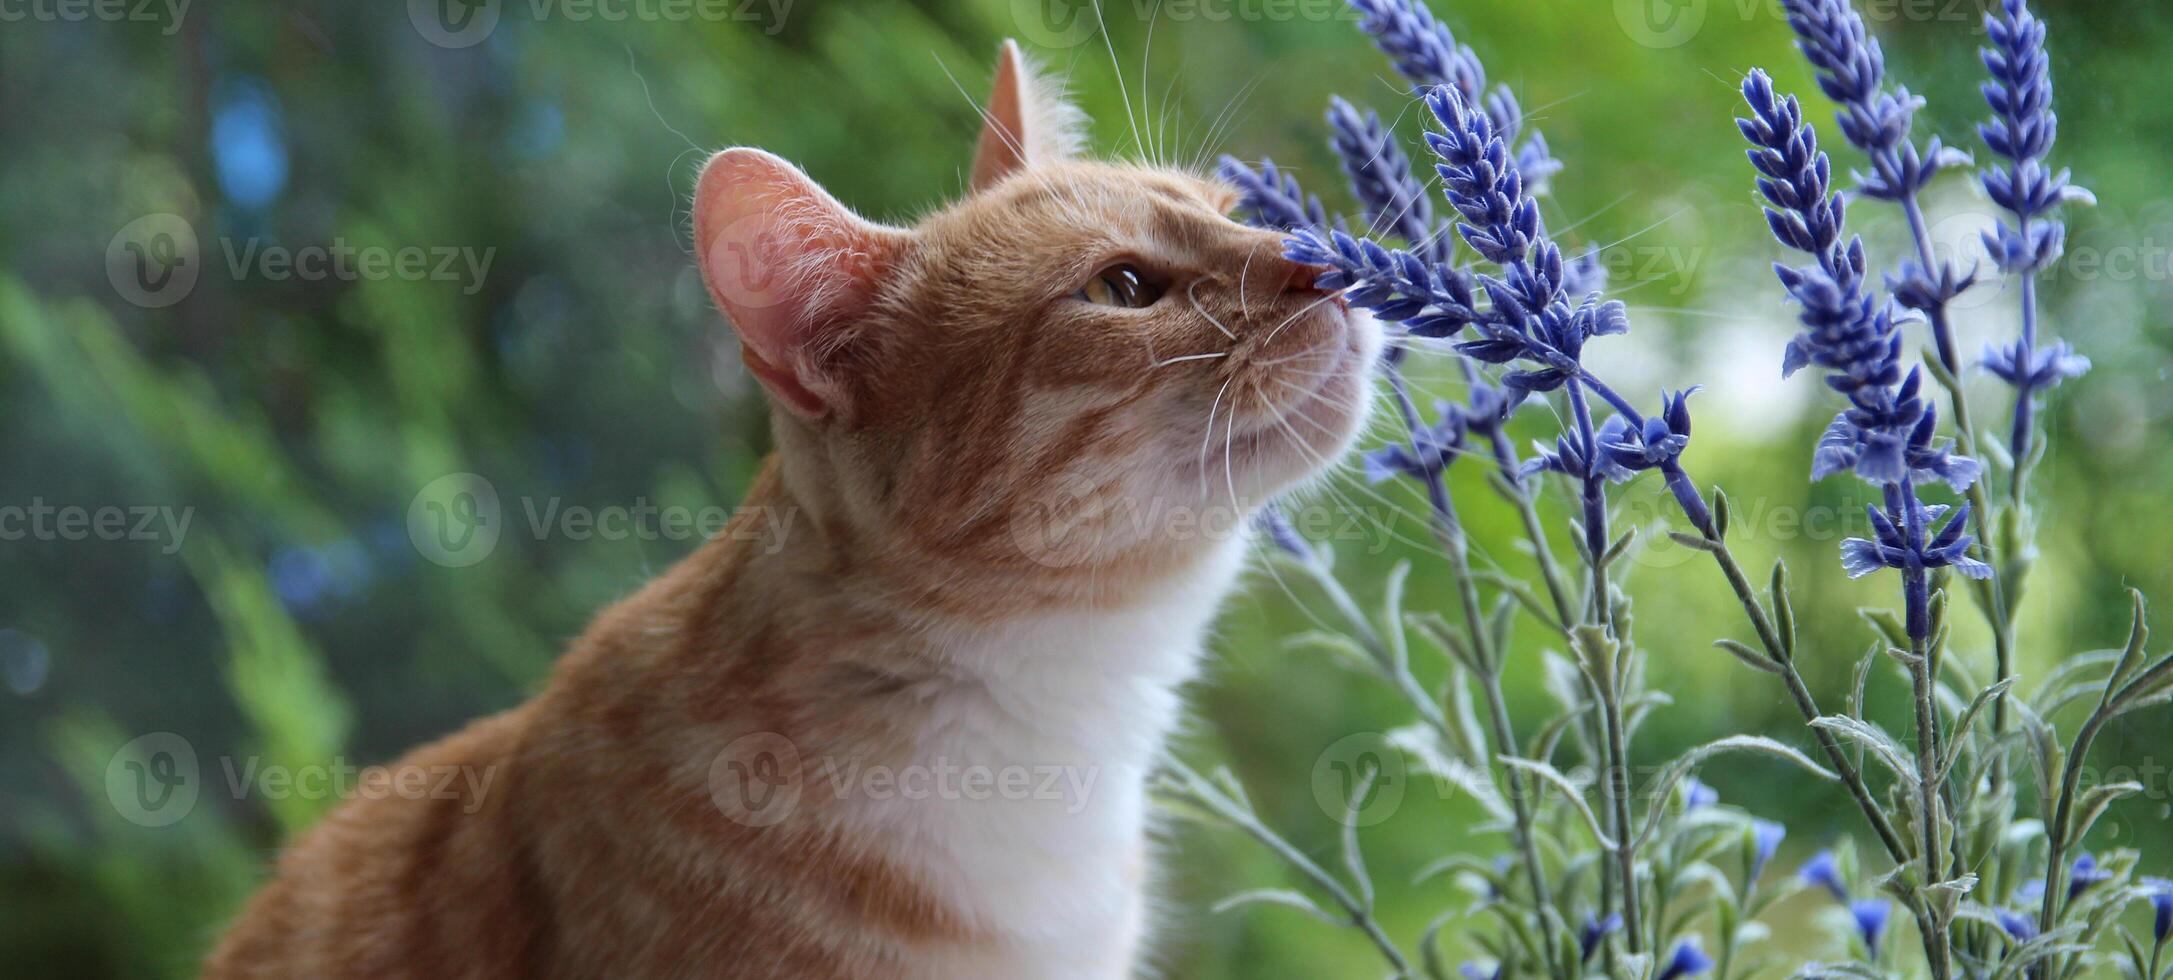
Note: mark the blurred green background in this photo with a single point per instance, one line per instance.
(494, 196)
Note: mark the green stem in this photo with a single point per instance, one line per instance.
(1361, 917)
(1928, 795)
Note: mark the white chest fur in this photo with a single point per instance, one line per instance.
(1028, 804)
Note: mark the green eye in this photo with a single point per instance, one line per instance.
(1122, 285)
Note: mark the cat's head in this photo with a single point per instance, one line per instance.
(1080, 364)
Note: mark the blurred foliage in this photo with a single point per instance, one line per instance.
(295, 419)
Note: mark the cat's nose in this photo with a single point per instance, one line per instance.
(1303, 279)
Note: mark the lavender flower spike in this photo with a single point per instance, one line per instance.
(1429, 55)
(1688, 960)
(1871, 916)
(2021, 132)
(1270, 197)
(1852, 72)
(1380, 175)
(1766, 838)
(1886, 435)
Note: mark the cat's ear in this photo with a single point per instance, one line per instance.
(1027, 121)
(792, 268)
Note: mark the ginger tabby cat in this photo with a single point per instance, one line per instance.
(1022, 443)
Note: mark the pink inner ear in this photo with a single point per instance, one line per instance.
(790, 266)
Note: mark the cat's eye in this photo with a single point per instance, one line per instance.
(1123, 285)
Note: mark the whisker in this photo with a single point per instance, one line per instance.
(1188, 357)
(1209, 438)
(1192, 296)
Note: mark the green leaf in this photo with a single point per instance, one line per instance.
(1870, 736)
(1751, 658)
(1622, 544)
(1392, 614)
(1969, 717)
(1340, 648)
(1423, 745)
(1721, 512)
(1525, 597)
(2096, 801)
(1437, 629)
(1278, 896)
(1695, 542)
(1784, 611)
(1570, 791)
(1888, 625)
(1354, 860)
(1689, 761)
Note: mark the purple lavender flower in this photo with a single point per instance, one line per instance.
(1595, 931)
(1686, 961)
(1477, 971)
(2161, 902)
(1277, 527)
(1428, 54)
(1766, 837)
(1432, 449)
(1871, 915)
(2021, 132)
(1903, 545)
(1852, 72)
(1270, 197)
(1429, 299)
(1886, 434)
(2085, 874)
(1824, 871)
(1380, 175)
(1662, 440)
(1423, 49)
(1697, 795)
(2021, 927)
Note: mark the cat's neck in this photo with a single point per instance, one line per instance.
(799, 598)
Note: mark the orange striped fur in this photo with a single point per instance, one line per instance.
(1009, 515)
